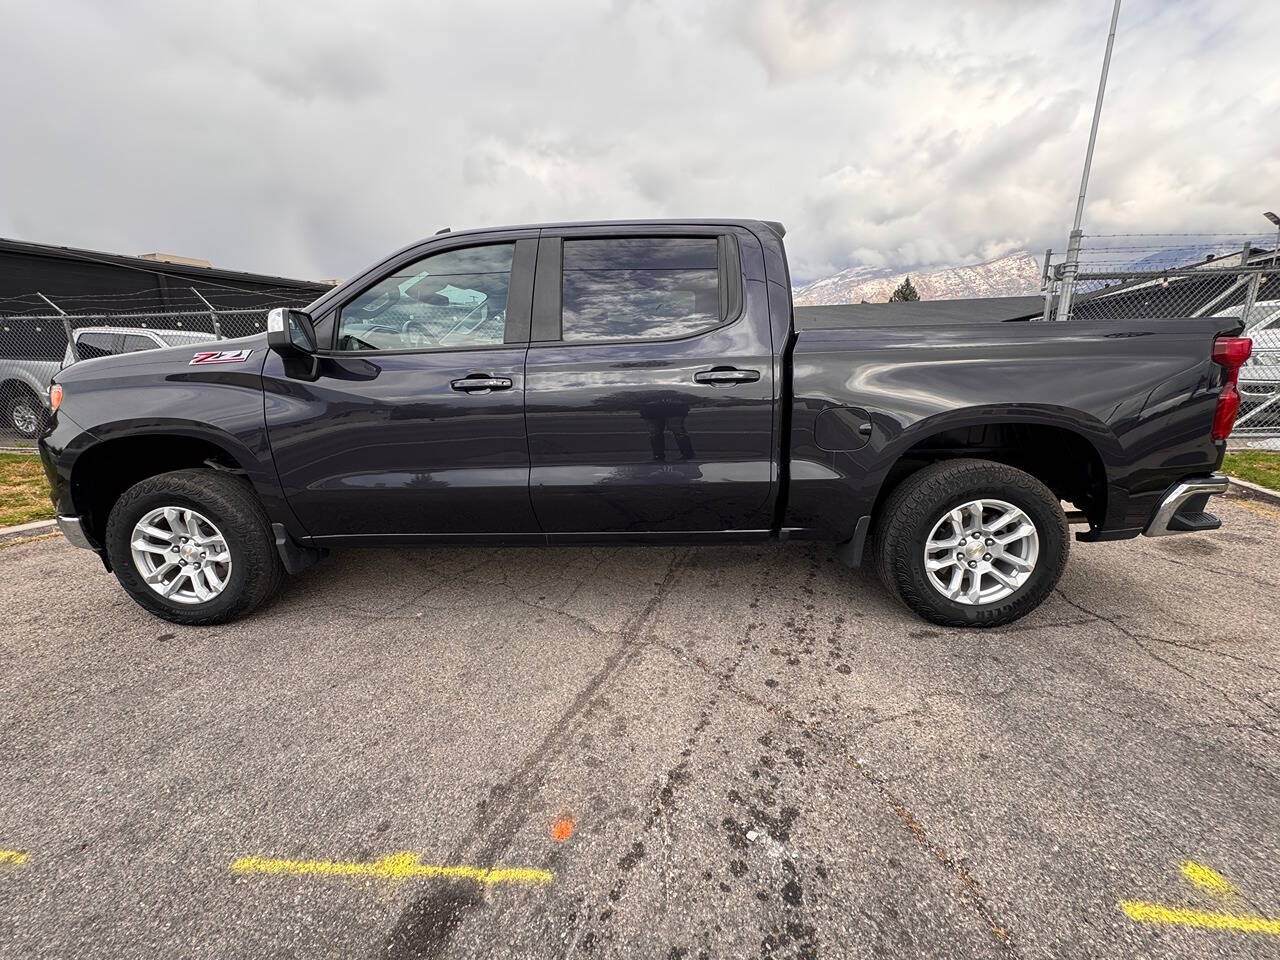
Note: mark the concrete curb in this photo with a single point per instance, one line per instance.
(1238, 488)
(22, 530)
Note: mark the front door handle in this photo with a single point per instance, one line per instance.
(480, 384)
(726, 375)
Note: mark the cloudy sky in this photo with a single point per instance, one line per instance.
(310, 138)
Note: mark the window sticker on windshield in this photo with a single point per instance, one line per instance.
(220, 356)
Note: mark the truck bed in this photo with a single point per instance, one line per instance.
(918, 312)
(868, 388)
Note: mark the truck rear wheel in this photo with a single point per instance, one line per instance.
(193, 547)
(971, 543)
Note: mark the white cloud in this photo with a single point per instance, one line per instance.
(309, 139)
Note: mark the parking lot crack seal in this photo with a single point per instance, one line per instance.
(1141, 641)
(499, 821)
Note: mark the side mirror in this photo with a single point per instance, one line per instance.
(290, 333)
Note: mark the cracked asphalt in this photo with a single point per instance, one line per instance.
(759, 754)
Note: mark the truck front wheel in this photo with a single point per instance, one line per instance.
(971, 543)
(193, 547)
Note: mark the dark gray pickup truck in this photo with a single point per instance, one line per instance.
(643, 382)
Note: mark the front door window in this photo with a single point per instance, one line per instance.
(453, 299)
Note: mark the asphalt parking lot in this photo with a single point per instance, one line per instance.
(710, 752)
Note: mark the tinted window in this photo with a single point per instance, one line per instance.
(91, 345)
(639, 288)
(453, 299)
(132, 343)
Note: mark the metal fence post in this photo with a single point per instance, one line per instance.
(1067, 288)
(213, 314)
(1072, 265)
(1250, 298)
(66, 325)
(1046, 284)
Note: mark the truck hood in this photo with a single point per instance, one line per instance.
(243, 354)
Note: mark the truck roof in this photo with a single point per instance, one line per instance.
(747, 222)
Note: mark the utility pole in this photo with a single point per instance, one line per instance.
(1072, 264)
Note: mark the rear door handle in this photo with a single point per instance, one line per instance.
(726, 375)
(479, 384)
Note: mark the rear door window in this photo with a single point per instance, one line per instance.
(640, 288)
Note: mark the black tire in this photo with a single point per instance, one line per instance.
(21, 411)
(907, 519)
(230, 503)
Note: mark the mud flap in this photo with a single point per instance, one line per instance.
(295, 557)
(850, 552)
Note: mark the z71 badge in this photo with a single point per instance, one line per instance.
(220, 356)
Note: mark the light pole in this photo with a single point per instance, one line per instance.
(1072, 264)
(1275, 254)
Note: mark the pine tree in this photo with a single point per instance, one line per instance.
(905, 291)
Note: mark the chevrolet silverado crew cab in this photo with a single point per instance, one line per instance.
(642, 382)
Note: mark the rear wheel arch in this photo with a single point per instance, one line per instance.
(1069, 455)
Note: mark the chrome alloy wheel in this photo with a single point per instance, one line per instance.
(181, 555)
(981, 552)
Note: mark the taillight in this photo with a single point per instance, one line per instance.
(55, 397)
(1229, 353)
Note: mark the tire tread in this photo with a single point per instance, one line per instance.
(236, 505)
(918, 500)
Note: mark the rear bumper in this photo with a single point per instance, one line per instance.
(1181, 510)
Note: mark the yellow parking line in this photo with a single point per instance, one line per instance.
(13, 858)
(1207, 879)
(397, 866)
(1144, 912)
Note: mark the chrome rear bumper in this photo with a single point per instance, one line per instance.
(1177, 514)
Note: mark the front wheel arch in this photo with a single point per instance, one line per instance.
(101, 473)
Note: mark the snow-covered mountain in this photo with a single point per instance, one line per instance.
(1015, 275)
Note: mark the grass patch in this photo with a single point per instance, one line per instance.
(24, 491)
(1257, 466)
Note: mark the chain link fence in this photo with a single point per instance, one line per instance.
(36, 345)
(1191, 275)
(1121, 276)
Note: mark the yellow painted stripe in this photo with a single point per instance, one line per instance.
(1207, 879)
(14, 858)
(1237, 923)
(397, 866)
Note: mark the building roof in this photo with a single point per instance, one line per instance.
(152, 265)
